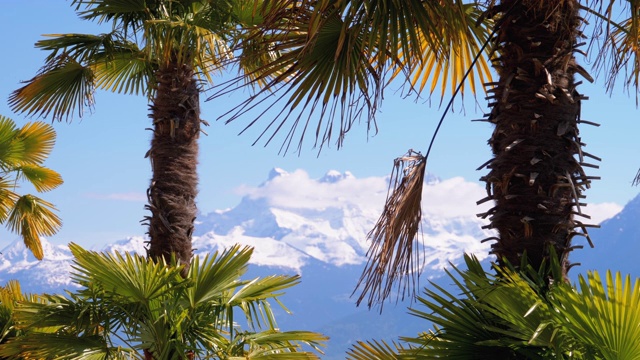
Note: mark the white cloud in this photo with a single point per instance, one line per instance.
(310, 206)
(127, 196)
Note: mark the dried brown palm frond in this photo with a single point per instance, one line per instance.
(392, 257)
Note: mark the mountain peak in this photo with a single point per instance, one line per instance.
(276, 172)
(333, 176)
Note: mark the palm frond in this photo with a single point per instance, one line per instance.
(619, 53)
(217, 273)
(36, 142)
(42, 178)
(392, 256)
(465, 38)
(33, 217)
(185, 43)
(253, 298)
(329, 61)
(49, 346)
(323, 66)
(373, 349)
(604, 315)
(10, 149)
(127, 71)
(132, 276)
(273, 344)
(62, 88)
(130, 14)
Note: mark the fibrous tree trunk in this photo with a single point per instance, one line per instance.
(173, 154)
(536, 176)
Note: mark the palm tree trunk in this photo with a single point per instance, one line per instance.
(535, 178)
(174, 151)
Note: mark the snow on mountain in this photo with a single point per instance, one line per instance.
(328, 218)
(52, 273)
(292, 219)
(318, 227)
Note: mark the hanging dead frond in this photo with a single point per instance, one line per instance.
(392, 257)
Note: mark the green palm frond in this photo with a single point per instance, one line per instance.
(130, 14)
(603, 315)
(331, 74)
(36, 142)
(134, 277)
(217, 274)
(252, 299)
(61, 88)
(82, 47)
(42, 178)
(127, 72)
(182, 42)
(330, 61)
(10, 149)
(32, 217)
(273, 344)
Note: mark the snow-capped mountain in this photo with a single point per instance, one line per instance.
(315, 227)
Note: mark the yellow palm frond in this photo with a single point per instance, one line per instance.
(8, 197)
(37, 140)
(42, 178)
(465, 42)
(33, 217)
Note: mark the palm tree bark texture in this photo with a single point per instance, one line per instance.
(536, 176)
(174, 157)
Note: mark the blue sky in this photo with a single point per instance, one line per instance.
(101, 156)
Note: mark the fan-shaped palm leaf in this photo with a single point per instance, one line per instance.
(468, 38)
(127, 13)
(42, 178)
(182, 42)
(61, 88)
(36, 142)
(134, 277)
(217, 273)
(127, 72)
(333, 58)
(603, 315)
(32, 217)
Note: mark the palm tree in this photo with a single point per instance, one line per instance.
(536, 177)
(22, 154)
(128, 304)
(330, 56)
